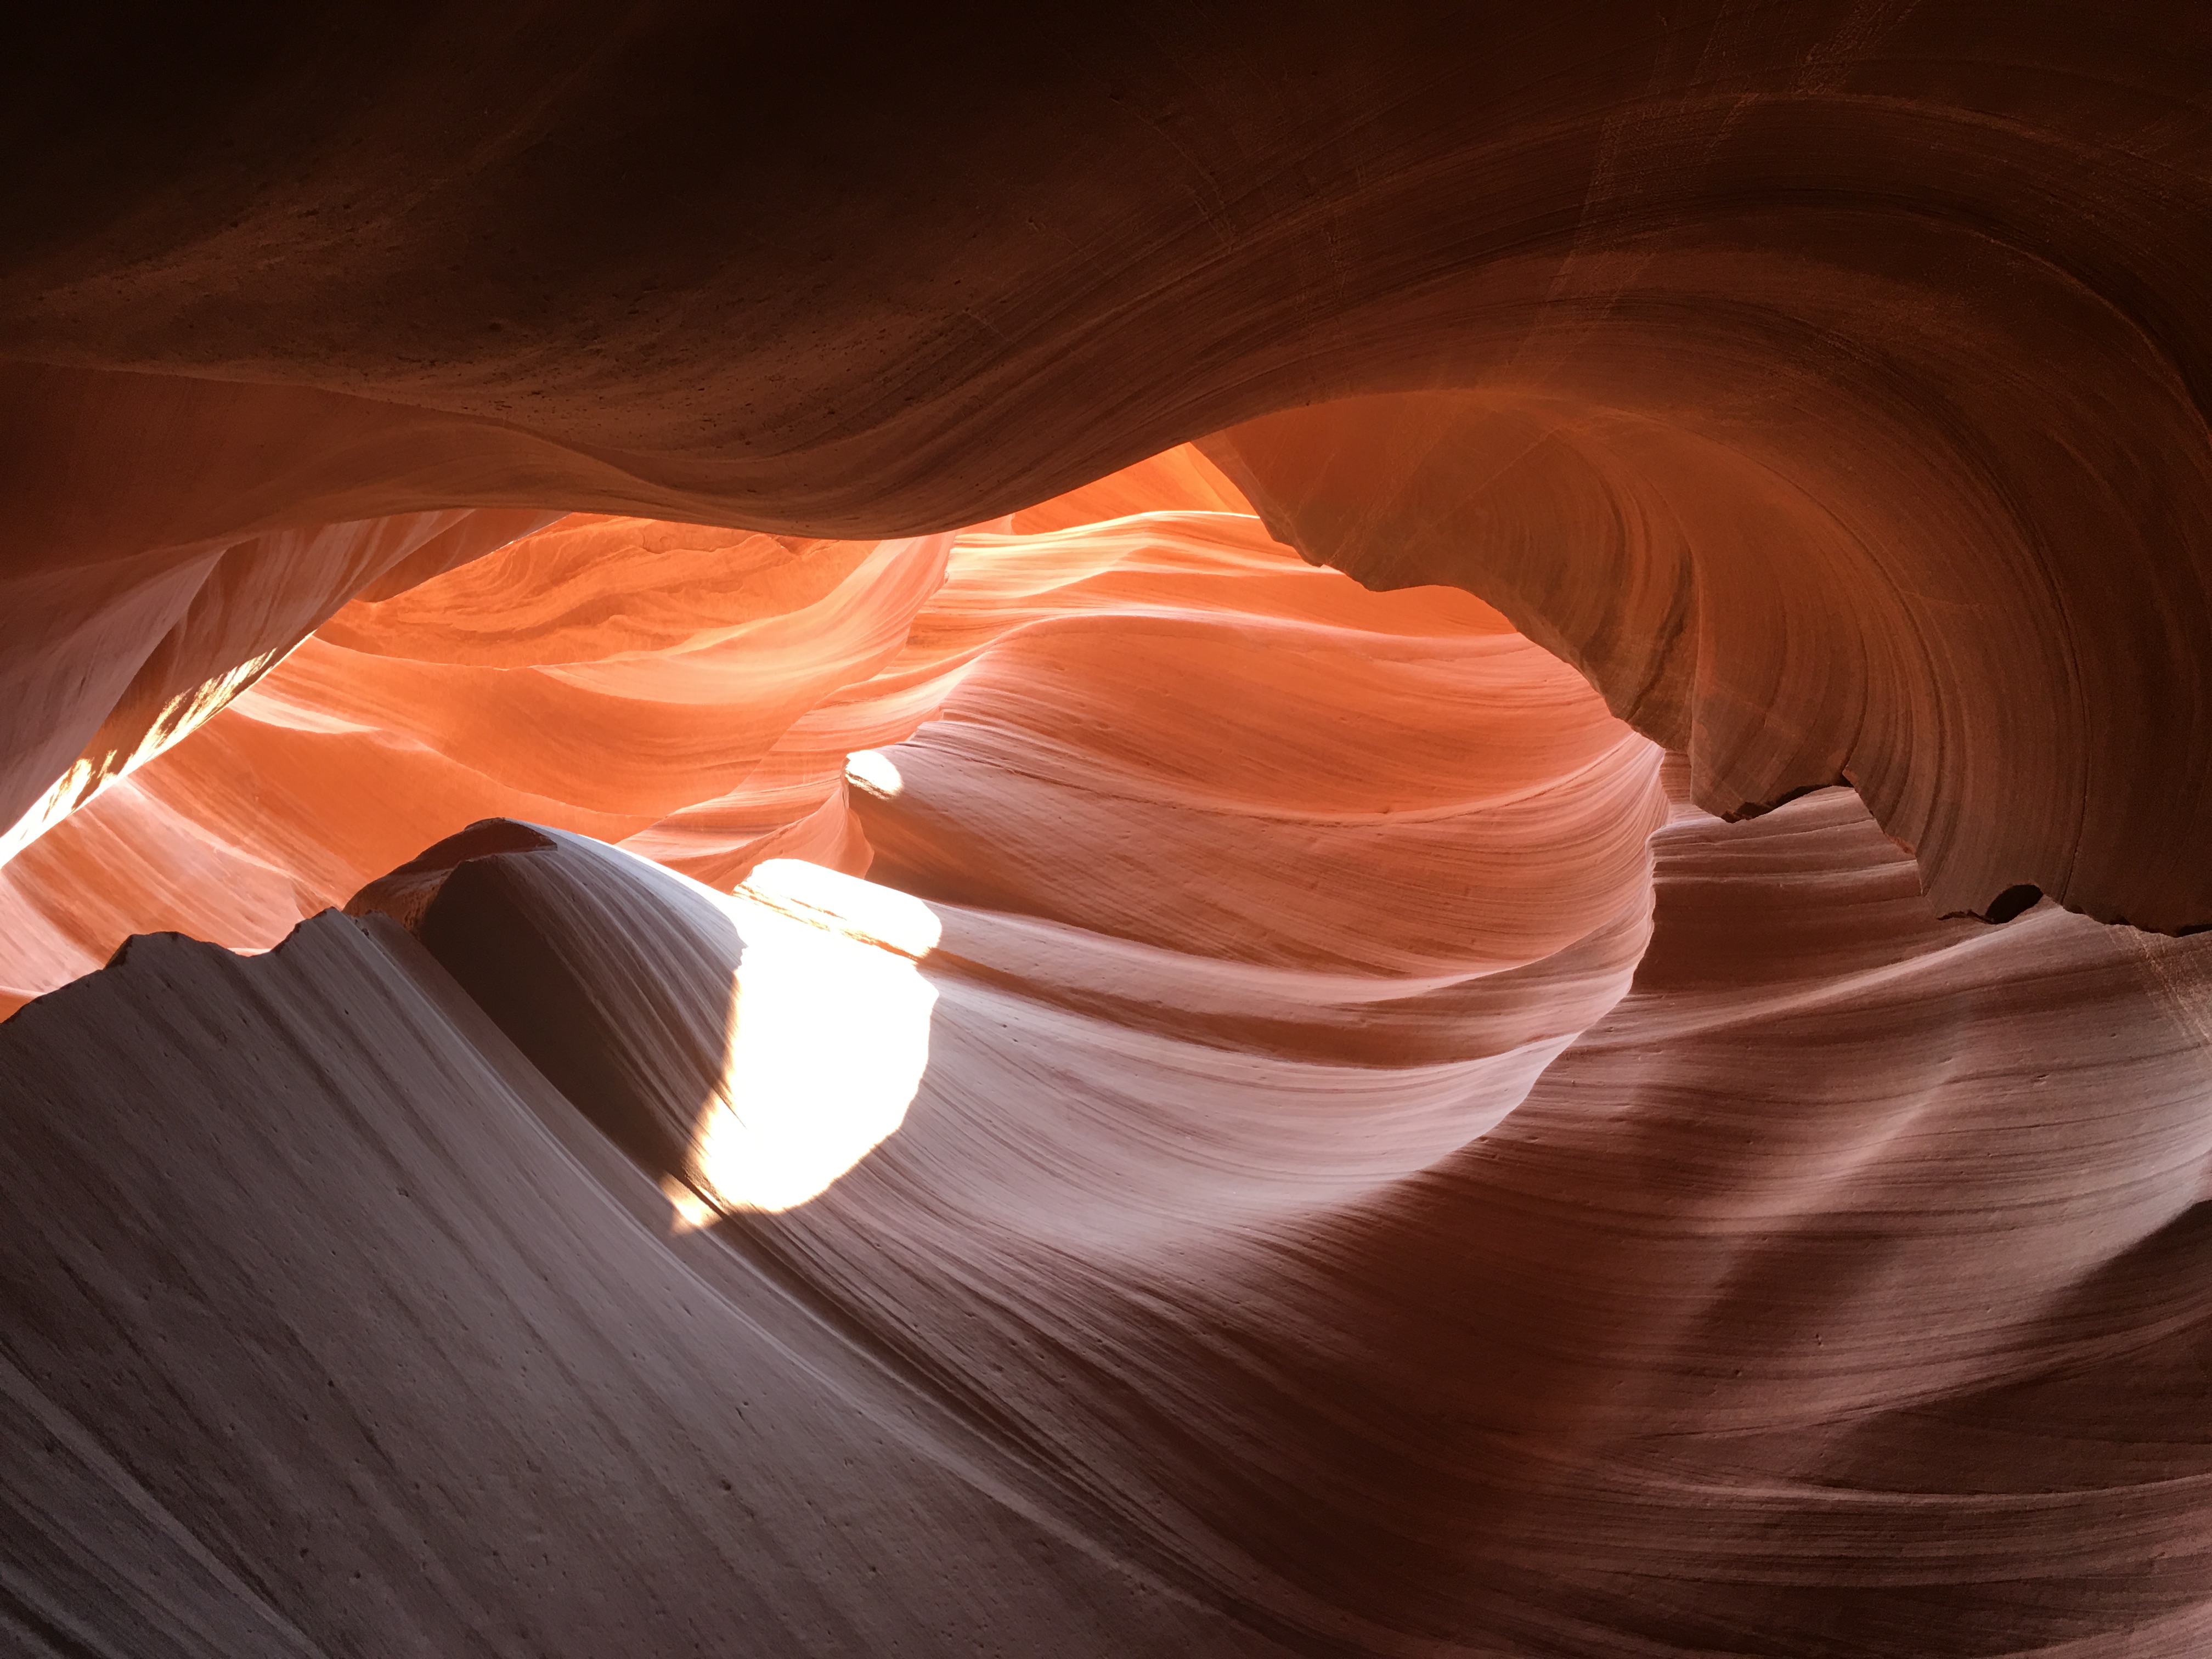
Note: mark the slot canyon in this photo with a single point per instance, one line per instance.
(1283, 831)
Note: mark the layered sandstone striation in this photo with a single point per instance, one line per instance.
(1173, 833)
(696, 691)
(1910, 292)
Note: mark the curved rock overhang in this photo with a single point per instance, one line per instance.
(1867, 336)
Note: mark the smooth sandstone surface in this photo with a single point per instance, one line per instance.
(695, 691)
(1310, 1192)
(1908, 299)
(107, 667)
(1162, 833)
(1691, 1340)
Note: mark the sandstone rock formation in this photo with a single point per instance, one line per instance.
(1248, 830)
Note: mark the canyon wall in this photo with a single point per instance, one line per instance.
(1249, 830)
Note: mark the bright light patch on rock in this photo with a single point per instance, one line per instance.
(829, 1034)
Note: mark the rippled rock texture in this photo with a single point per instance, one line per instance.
(1359, 1171)
(690, 967)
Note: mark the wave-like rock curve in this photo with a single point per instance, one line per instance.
(1880, 329)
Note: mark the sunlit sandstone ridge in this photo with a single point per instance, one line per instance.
(711, 938)
(694, 691)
